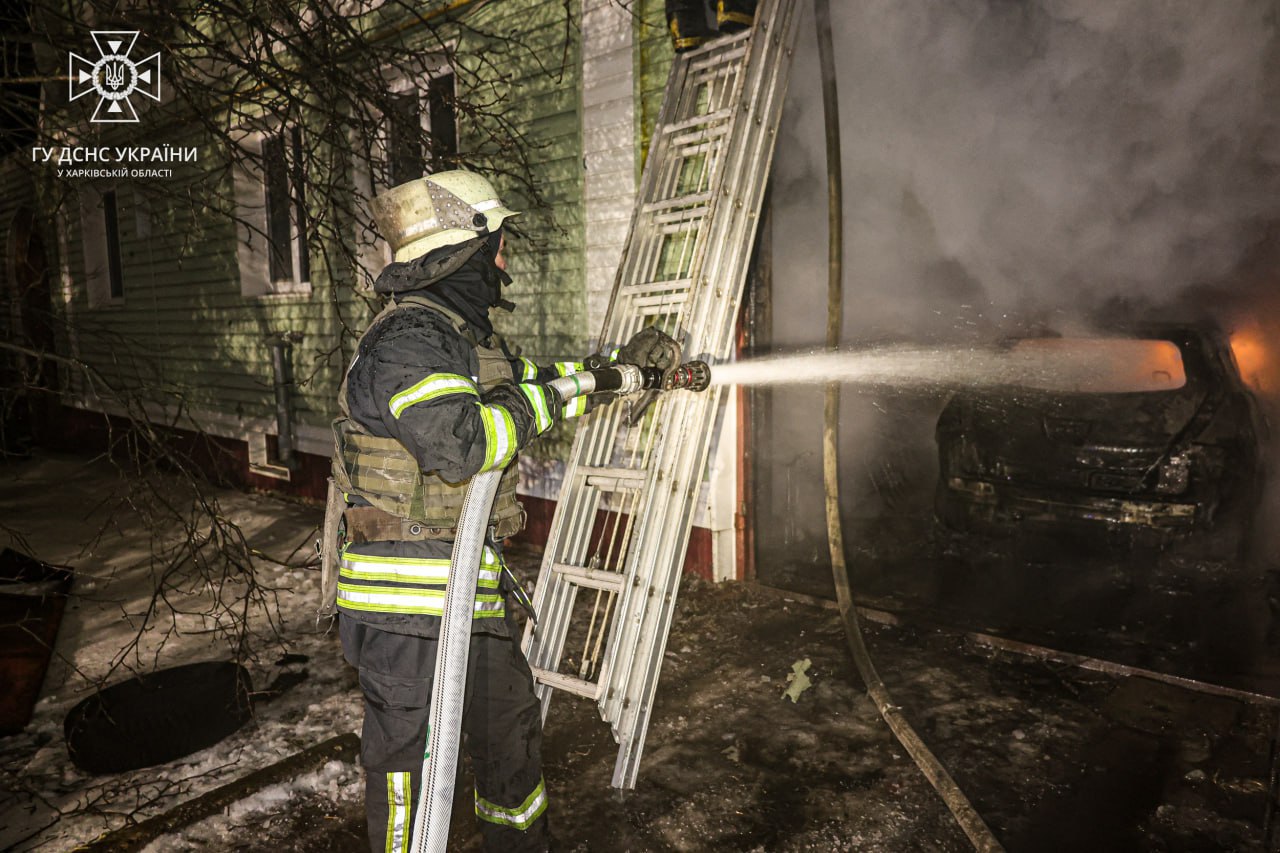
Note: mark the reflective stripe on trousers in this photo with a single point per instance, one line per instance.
(501, 726)
(520, 817)
(399, 795)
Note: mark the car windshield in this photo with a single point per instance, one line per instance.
(1103, 365)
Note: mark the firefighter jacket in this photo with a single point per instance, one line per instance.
(426, 406)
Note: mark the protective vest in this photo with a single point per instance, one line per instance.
(380, 470)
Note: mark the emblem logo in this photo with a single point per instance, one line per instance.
(114, 77)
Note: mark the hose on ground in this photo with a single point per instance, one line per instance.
(966, 816)
(440, 763)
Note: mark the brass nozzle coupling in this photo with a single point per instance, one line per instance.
(692, 376)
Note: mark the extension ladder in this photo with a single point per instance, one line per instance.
(622, 524)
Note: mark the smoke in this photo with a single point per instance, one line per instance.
(1016, 163)
(1034, 157)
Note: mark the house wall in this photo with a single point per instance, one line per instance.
(654, 55)
(184, 331)
(187, 336)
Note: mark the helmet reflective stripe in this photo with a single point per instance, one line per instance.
(444, 209)
(435, 385)
(522, 816)
(421, 227)
(499, 437)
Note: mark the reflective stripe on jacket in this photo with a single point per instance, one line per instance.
(413, 585)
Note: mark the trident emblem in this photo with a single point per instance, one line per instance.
(114, 76)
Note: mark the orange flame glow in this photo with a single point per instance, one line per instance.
(1250, 350)
(1111, 365)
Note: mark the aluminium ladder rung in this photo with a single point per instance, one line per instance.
(678, 220)
(567, 683)
(672, 288)
(681, 202)
(632, 478)
(717, 117)
(715, 57)
(682, 269)
(601, 579)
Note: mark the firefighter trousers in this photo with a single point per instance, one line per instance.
(501, 731)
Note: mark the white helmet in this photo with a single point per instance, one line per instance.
(444, 209)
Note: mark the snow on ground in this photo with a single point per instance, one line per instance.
(50, 805)
(729, 763)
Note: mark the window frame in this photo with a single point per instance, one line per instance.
(104, 266)
(370, 176)
(258, 260)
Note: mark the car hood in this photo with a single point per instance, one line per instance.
(1099, 441)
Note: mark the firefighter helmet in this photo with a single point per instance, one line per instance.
(444, 209)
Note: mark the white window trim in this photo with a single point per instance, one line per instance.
(252, 246)
(93, 239)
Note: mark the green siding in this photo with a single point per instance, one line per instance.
(654, 55)
(186, 330)
(547, 263)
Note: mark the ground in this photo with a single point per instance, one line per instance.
(1053, 756)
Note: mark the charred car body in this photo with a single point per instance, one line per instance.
(1182, 464)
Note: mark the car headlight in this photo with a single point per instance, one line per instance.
(1175, 474)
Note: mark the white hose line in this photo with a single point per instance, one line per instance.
(435, 799)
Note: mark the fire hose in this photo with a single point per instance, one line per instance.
(966, 816)
(435, 799)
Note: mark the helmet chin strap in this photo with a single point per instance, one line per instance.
(492, 245)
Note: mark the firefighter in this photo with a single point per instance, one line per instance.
(688, 20)
(432, 397)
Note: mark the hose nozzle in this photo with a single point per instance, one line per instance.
(692, 376)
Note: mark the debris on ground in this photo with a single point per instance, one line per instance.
(1033, 743)
(797, 679)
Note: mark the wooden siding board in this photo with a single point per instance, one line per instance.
(182, 291)
(654, 55)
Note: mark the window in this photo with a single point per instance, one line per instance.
(404, 139)
(111, 221)
(272, 208)
(419, 136)
(444, 122)
(103, 259)
(421, 109)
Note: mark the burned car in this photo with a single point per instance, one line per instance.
(1178, 461)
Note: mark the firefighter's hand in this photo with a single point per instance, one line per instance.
(595, 401)
(651, 347)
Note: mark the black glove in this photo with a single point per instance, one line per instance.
(651, 347)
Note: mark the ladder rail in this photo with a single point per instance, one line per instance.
(682, 269)
(726, 260)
